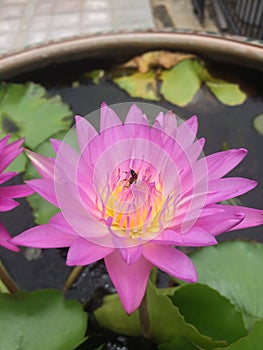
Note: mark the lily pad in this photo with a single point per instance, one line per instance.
(143, 85)
(253, 341)
(235, 270)
(95, 75)
(179, 343)
(227, 93)
(165, 319)
(258, 123)
(160, 58)
(180, 83)
(27, 112)
(41, 320)
(195, 302)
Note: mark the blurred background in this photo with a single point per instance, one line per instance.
(30, 22)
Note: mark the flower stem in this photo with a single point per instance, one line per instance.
(144, 318)
(74, 274)
(7, 280)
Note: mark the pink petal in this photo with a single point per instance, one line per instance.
(108, 118)
(56, 144)
(223, 189)
(7, 176)
(194, 237)
(221, 222)
(219, 164)
(252, 217)
(44, 236)
(85, 132)
(83, 252)
(3, 142)
(45, 188)
(167, 122)
(186, 132)
(59, 222)
(4, 239)
(16, 191)
(131, 254)
(7, 204)
(171, 261)
(44, 165)
(135, 115)
(9, 153)
(130, 280)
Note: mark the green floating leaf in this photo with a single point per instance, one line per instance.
(166, 321)
(95, 75)
(180, 83)
(143, 85)
(258, 123)
(253, 341)
(227, 93)
(3, 288)
(42, 209)
(179, 343)
(40, 320)
(195, 302)
(26, 112)
(235, 270)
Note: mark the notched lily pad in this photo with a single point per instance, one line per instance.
(235, 270)
(181, 75)
(41, 320)
(253, 341)
(27, 112)
(143, 85)
(161, 58)
(181, 83)
(195, 302)
(95, 75)
(166, 320)
(258, 123)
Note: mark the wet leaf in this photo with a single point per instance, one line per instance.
(143, 85)
(227, 93)
(95, 75)
(253, 341)
(258, 123)
(165, 59)
(165, 319)
(179, 343)
(211, 313)
(26, 112)
(180, 83)
(235, 270)
(41, 320)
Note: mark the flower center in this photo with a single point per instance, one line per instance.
(134, 204)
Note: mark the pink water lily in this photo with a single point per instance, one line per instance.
(132, 193)
(8, 152)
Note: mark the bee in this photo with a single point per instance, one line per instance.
(133, 176)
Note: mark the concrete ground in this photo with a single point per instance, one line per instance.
(31, 22)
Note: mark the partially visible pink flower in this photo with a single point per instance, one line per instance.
(8, 152)
(132, 193)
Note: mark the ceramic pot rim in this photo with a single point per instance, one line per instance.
(117, 47)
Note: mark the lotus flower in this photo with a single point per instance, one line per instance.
(8, 152)
(134, 192)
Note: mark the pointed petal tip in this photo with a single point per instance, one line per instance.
(103, 105)
(78, 118)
